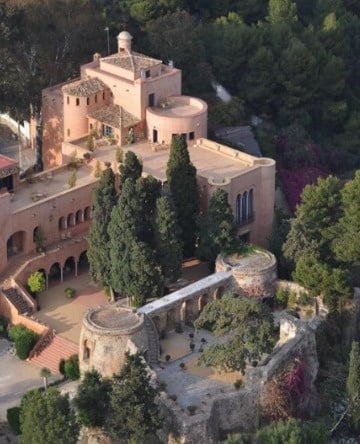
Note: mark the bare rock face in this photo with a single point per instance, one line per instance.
(93, 436)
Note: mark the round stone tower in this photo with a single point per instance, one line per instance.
(107, 333)
(254, 274)
(124, 42)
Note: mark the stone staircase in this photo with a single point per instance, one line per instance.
(59, 348)
(153, 341)
(17, 300)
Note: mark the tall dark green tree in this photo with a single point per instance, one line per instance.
(181, 176)
(353, 385)
(347, 242)
(167, 239)
(217, 228)
(47, 417)
(92, 399)
(133, 410)
(104, 200)
(131, 168)
(148, 190)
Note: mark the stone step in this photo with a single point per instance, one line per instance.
(17, 300)
(59, 348)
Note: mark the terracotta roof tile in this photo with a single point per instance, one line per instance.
(84, 88)
(132, 61)
(111, 115)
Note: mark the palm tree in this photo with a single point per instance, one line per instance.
(45, 373)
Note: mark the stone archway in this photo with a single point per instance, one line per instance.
(55, 273)
(218, 293)
(15, 243)
(83, 262)
(79, 217)
(191, 310)
(70, 267)
(203, 300)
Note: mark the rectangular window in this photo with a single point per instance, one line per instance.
(95, 98)
(192, 135)
(103, 95)
(91, 126)
(68, 100)
(77, 102)
(147, 74)
(87, 100)
(68, 132)
(107, 130)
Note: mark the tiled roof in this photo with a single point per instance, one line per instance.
(84, 88)
(132, 61)
(111, 115)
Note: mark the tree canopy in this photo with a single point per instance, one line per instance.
(251, 328)
(47, 417)
(133, 411)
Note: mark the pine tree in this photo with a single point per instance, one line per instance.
(282, 11)
(181, 176)
(104, 199)
(353, 385)
(131, 168)
(217, 229)
(133, 411)
(167, 239)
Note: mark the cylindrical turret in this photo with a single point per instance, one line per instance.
(124, 42)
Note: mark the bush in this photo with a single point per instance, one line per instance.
(119, 155)
(4, 322)
(238, 383)
(191, 409)
(173, 397)
(13, 419)
(24, 339)
(304, 298)
(71, 368)
(72, 178)
(167, 358)
(182, 365)
(70, 292)
(282, 297)
(90, 143)
(292, 299)
(62, 366)
(87, 156)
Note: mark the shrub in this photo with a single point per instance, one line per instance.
(36, 282)
(62, 366)
(282, 297)
(4, 322)
(119, 154)
(90, 143)
(173, 397)
(107, 164)
(13, 418)
(70, 292)
(97, 171)
(71, 368)
(87, 156)
(167, 358)
(292, 299)
(238, 383)
(191, 409)
(24, 340)
(304, 298)
(182, 365)
(72, 178)
(192, 346)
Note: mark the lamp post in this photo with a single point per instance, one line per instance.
(108, 41)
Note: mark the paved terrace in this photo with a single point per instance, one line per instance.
(215, 162)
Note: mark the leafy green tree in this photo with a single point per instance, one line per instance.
(47, 417)
(347, 242)
(217, 228)
(313, 229)
(133, 411)
(104, 200)
(24, 339)
(131, 168)
(281, 11)
(353, 385)
(167, 239)
(181, 176)
(36, 282)
(293, 431)
(250, 327)
(92, 399)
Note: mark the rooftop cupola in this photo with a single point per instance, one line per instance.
(124, 42)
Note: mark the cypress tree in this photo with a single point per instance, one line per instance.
(104, 199)
(181, 177)
(131, 168)
(167, 239)
(217, 229)
(353, 385)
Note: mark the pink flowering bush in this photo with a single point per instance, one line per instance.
(294, 181)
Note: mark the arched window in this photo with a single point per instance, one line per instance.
(244, 207)
(250, 205)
